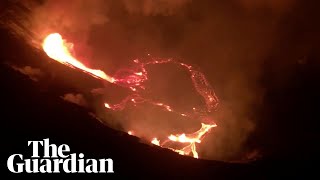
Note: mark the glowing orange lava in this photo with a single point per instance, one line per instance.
(58, 49)
(155, 141)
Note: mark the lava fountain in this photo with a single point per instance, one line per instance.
(56, 48)
(60, 50)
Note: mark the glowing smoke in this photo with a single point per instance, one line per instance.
(227, 43)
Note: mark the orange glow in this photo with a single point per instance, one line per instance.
(107, 105)
(59, 50)
(191, 140)
(155, 141)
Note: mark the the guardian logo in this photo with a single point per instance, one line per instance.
(60, 160)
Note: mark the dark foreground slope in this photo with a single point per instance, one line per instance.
(34, 111)
(29, 114)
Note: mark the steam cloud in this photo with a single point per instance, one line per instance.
(227, 42)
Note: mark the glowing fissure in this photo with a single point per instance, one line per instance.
(58, 49)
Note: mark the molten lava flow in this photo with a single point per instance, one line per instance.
(191, 139)
(57, 49)
(133, 79)
(155, 141)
